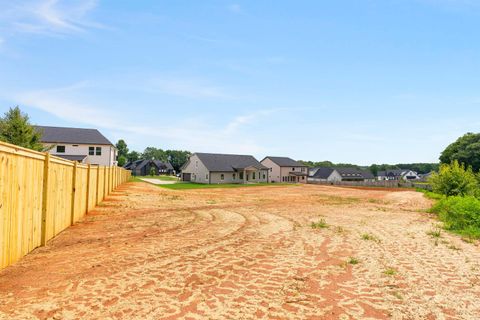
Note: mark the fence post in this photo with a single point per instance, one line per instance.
(105, 181)
(46, 171)
(98, 186)
(88, 187)
(74, 187)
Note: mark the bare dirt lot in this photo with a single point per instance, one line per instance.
(249, 253)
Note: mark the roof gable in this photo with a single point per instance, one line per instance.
(228, 162)
(285, 162)
(71, 135)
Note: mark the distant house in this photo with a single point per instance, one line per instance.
(283, 169)
(397, 174)
(143, 167)
(425, 177)
(211, 168)
(339, 174)
(77, 144)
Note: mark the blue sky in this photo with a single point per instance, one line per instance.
(368, 81)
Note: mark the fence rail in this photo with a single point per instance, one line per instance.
(42, 195)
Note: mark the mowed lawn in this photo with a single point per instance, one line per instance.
(263, 252)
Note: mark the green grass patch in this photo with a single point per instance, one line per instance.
(460, 215)
(321, 224)
(161, 177)
(436, 233)
(353, 261)
(370, 237)
(390, 272)
(181, 185)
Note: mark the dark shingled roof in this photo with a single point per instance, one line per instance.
(228, 162)
(71, 135)
(393, 172)
(347, 173)
(138, 164)
(322, 173)
(355, 173)
(285, 162)
(71, 157)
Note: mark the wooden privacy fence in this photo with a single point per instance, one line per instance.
(42, 195)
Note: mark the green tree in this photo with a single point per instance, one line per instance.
(152, 153)
(454, 180)
(133, 156)
(177, 158)
(465, 150)
(15, 128)
(122, 148)
(122, 160)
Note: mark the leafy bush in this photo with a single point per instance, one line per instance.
(460, 214)
(455, 180)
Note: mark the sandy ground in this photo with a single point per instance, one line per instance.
(249, 253)
(157, 181)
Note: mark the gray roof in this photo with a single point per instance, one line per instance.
(355, 173)
(228, 162)
(393, 172)
(71, 135)
(71, 157)
(285, 162)
(322, 172)
(348, 173)
(138, 164)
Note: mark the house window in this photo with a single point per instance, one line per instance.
(60, 149)
(222, 177)
(253, 176)
(91, 151)
(264, 176)
(196, 164)
(206, 176)
(98, 151)
(241, 175)
(271, 169)
(234, 176)
(293, 169)
(303, 169)
(74, 145)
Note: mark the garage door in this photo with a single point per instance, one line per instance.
(187, 177)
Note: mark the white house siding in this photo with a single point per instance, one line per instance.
(108, 157)
(199, 173)
(274, 170)
(285, 172)
(334, 176)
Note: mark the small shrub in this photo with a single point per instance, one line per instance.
(436, 233)
(460, 214)
(390, 272)
(152, 171)
(454, 180)
(370, 237)
(321, 224)
(353, 261)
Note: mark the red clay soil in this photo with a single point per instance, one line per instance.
(249, 253)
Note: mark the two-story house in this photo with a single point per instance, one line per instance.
(77, 144)
(283, 169)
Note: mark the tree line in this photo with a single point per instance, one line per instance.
(15, 128)
(421, 168)
(177, 158)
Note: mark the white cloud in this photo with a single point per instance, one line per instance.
(48, 17)
(191, 134)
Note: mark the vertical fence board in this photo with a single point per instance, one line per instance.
(40, 196)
